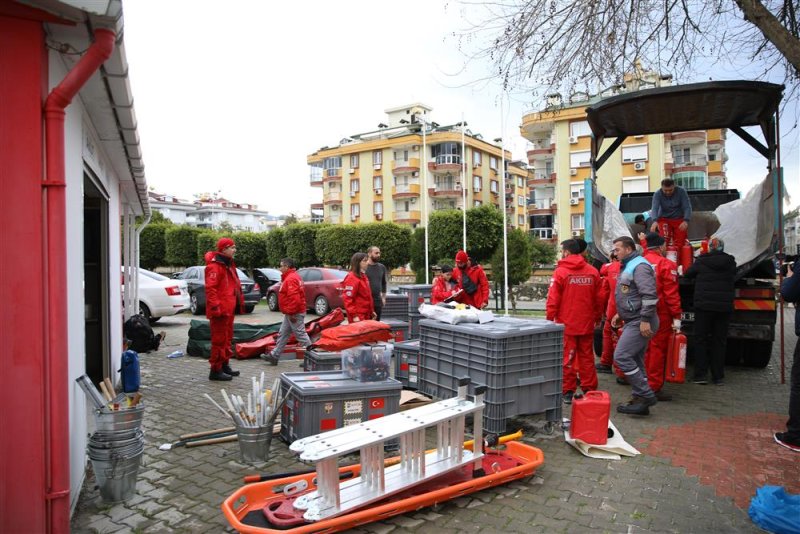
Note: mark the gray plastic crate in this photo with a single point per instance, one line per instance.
(406, 362)
(417, 294)
(400, 329)
(520, 361)
(320, 360)
(324, 401)
(413, 324)
(396, 307)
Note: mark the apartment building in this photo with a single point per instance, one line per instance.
(381, 175)
(209, 211)
(559, 154)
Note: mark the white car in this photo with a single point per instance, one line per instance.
(160, 296)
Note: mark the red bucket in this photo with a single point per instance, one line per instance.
(590, 417)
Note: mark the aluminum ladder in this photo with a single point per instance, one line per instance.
(332, 497)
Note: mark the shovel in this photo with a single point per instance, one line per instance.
(201, 438)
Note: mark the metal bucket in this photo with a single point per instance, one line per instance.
(121, 420)
(116, 476)
(254, 443)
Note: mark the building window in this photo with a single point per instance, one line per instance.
(576, 190)
(494, 186)
(579, 159)
(377, 157)
(578, 129)
(639, 184)
(477, 184)
(355, 210)
(355, 186)
(476, 158)
(634, 153)
(520, 200)
(576, 220)
(690, 179)
(520, 220)
(377, 182)
(377, 208)
(478, 203)
(520, 181)
(332, 165)
(493, 163)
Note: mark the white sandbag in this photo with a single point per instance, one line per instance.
(455, 314)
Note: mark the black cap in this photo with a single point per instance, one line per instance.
(653, 240)
(446, 268)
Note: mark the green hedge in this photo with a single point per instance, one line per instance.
(181, 245)
(276, 246)
(152, 248)
(300, 239)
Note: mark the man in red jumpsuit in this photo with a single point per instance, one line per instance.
(669, 313)
(574, 300)
(223, 295)
(608, 278)
(471, 279)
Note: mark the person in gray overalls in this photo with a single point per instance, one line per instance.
(636, 301)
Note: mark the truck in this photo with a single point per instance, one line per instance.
(694, 107)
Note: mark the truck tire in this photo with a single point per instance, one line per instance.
(757, 353)
(733, 352)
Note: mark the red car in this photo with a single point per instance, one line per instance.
(322, 287)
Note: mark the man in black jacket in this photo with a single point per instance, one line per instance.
(715, 275)
(790, 292)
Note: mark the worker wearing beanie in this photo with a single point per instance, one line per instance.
(574, 300)
(668, 310)
(223, 295)
(443, 287)
(471, 279)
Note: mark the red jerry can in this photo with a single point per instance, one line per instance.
(676, 358)
(687, 256)
(590, 417)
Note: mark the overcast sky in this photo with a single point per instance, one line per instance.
(232, 96)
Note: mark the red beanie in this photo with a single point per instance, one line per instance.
(224, 243)
(461, 257)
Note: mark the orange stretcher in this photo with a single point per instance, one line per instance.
(264, 508)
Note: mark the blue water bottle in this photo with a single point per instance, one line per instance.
(130, 371)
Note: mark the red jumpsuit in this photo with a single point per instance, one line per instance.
(574, 300)
(223, 294)
(668, 308)
(609, 273)
(441, 290)
(480, 298)
(357, 297)
(670, 230)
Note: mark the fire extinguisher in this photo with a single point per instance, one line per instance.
(687, 255)
(672, 254)
(676, 358)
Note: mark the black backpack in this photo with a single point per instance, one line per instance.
(141, 336)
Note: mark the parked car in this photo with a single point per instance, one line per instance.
(160, 296)
(265, 277)
(322, 287)
(195, 277)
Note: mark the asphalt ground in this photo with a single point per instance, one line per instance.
(703, 456)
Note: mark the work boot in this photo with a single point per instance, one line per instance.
(226, 368)
(637, 405)
(219, 375)
(271, 358)
(662, 396)
(602, 368)
(622, 382)
(568, 396)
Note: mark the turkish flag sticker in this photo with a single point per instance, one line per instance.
(376, 404)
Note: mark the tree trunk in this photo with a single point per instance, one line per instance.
(787, 44)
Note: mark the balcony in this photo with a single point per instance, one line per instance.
(542, 205)
(400, 166)
(445, 190)
(317, 206)
(540, 178)
(332, 175)
(406, 190)
(690, 162)
(686, 138)
(542, 233)
(334, 197)
(316, 180)
(407, 217)
(541, 150)
(446, 163)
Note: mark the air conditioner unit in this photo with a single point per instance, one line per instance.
(335, 207)
(573, 172)
(352, 171)
(573, 139)
(639, 166)
(378, 191)
(574, 201)
(379, 216)
(413, 200)
(352, 194)
(415, 147)
(377, 166)
(576, 233)
(458, 187)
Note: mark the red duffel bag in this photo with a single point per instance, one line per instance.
(252, 349)
(349, 335)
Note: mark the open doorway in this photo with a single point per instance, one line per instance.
(95, 278)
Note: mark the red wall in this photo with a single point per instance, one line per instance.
(23, 75)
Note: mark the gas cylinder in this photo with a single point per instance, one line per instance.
(676, 358)
(672, 254)
(590, 417)
(686, 257)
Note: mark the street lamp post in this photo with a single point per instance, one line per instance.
(425, 190)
